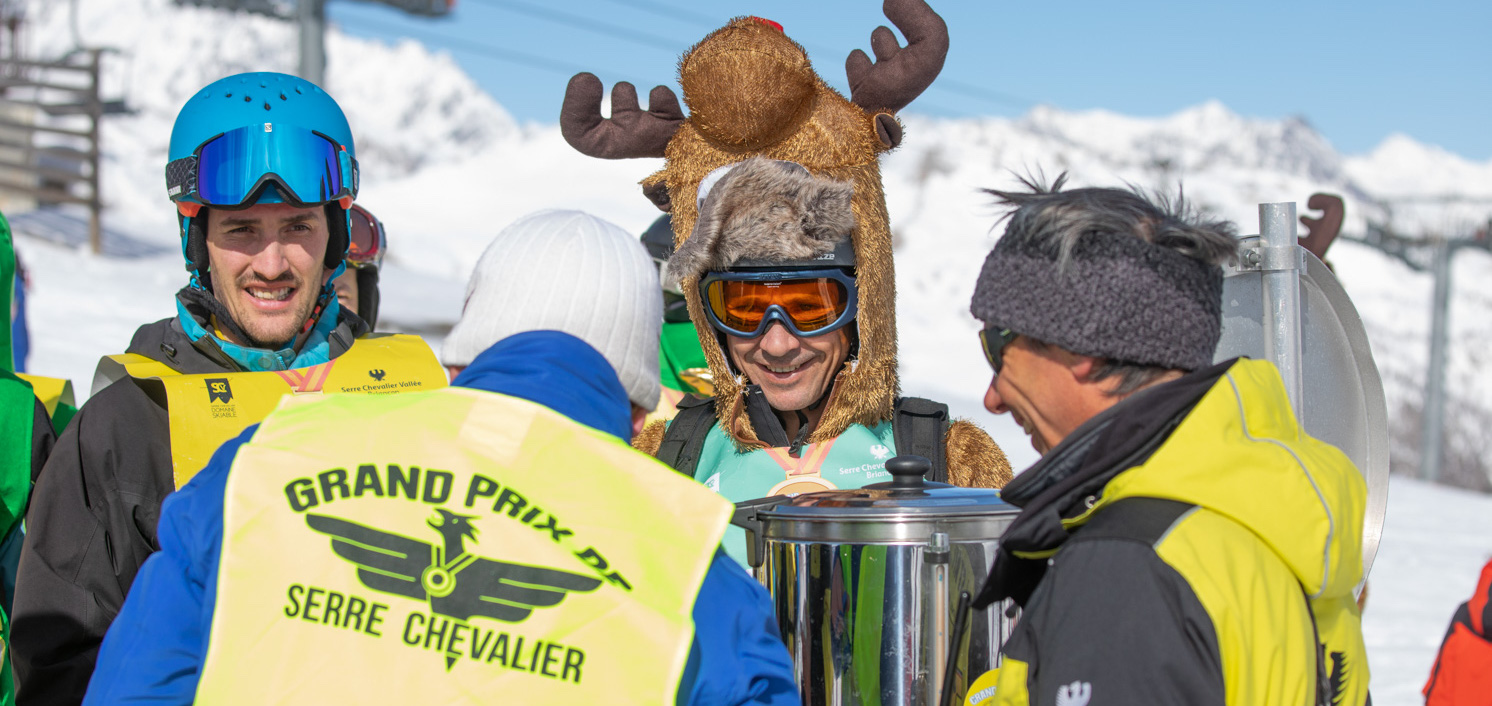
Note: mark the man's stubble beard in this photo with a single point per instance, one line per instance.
(271, 335)
(256, 338)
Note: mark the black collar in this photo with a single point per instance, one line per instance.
(1070, 477)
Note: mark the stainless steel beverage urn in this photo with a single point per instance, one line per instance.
(867, 585)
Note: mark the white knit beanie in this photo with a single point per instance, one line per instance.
(573, 272)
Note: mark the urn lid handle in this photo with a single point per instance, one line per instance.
(908, 472)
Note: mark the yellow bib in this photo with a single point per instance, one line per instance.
(50, 391)
(207, 410)
(453, 546)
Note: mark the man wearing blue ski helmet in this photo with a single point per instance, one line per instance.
(251, 156)
(262, 171)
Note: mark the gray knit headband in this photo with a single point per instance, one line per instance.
(1117, 297)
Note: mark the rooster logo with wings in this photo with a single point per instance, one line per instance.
(457, 584)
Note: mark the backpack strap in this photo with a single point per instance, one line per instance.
(920, 426)
(1324, 687)
(685, 436)
(1142, 519)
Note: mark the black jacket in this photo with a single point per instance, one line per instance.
(93, 513)
(43, 438)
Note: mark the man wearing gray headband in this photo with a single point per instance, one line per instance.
(1182, 539)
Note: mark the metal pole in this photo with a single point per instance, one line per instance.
(1432, 434)
(311, 15)
(1279, 258)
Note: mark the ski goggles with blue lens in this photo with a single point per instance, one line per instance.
(230, 170)
(807, 302)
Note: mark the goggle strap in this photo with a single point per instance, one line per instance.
(181, 176)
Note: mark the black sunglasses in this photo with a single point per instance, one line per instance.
(994, 347)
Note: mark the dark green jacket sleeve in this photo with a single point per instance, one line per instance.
(43, 438)
(1113, 624)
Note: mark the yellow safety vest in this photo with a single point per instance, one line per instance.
(453, 546)
(207, 410)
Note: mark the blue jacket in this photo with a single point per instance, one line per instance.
(154, 651)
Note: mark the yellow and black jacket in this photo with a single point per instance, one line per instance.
(1191, 545)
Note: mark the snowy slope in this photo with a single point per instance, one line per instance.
(1435, 542)
(445, 167)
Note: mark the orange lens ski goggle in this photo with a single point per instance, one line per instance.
(808, 303)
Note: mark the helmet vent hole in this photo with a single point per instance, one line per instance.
(282, 97)
(266, 105)
(228, 95)
(297, 89)
(248, 99)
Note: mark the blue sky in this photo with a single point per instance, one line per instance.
(1356, 71)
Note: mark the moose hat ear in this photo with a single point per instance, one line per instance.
(657, 192)
(888, 130)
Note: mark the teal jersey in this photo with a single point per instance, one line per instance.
(853, 459)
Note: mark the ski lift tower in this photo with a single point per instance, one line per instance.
(310, 15)
(50, 118)
(1432, 254)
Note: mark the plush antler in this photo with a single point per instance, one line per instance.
(1321, 231)
(899, 74)
(630, 132)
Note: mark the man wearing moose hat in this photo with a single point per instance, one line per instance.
(785, 259)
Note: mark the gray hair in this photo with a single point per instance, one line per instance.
(1132, 376)
(1054, 220)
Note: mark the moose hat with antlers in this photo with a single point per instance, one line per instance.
(751, 91)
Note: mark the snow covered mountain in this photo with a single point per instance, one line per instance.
(427, 134)
(1228, 164)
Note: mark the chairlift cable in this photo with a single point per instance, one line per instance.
(584, 23)
(469, 46)
(946, 85)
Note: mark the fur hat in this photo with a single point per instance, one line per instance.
(765, 212)
(573, 272)
(752, 92)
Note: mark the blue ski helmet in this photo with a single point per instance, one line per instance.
(261, 138)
